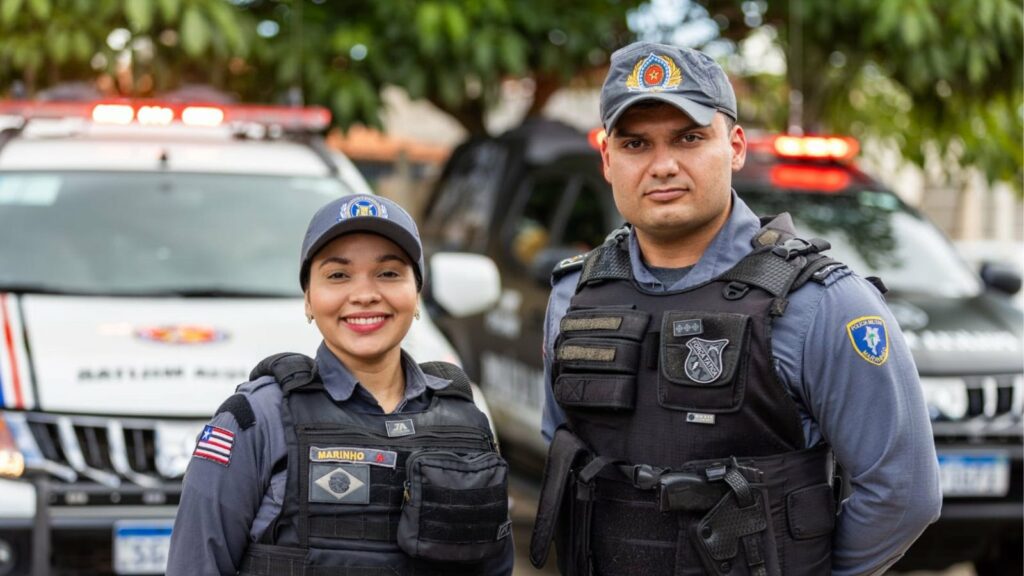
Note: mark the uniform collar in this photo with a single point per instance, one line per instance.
(340, 384)
(727, 248)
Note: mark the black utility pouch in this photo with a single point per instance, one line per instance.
(702, 361)
(456, 507)
(598, 355)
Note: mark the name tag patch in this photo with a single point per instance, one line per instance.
(385, 458)
(698, 418)
(398, 428)
(339, 483)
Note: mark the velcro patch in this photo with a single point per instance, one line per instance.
(694, 327)
(385, 458)
(399, 428)
(591, 353)
(339, 483)
(602, 323)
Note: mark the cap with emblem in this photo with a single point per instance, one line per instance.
(362, 213)
(687, 79)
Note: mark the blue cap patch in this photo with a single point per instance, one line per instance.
(869, 338)
(362, 206)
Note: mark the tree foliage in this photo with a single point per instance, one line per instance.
(941, 76)
(934, 76)
(339, 53)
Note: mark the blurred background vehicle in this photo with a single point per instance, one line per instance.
(535, 195)
(149, 261)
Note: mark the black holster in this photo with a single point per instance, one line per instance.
(763, 516)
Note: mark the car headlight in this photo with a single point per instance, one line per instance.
(16, 445)
(946, 397)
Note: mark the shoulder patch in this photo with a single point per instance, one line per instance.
(214, 444)
(239, 407)
(869, 338)
(568, 265)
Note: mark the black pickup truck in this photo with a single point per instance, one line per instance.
(536, 194)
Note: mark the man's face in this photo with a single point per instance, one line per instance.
(671, 178)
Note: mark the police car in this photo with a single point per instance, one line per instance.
(148, 260)
(536, 195)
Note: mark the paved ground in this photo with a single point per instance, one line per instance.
(523, 511)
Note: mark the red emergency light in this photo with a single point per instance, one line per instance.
(159, 113)
(812, 178)
(838, 148)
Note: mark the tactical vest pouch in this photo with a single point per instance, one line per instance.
(598, 355)
(456, 507)
(701, 362)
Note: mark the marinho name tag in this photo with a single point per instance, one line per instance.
(384, 458)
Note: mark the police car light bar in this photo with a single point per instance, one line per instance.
(149, 112)
(837, 148)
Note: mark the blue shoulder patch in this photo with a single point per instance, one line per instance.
(869, 338)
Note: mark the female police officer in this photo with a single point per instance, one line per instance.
(360, 463)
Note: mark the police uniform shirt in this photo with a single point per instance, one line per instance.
(874, 416)
(226, 507)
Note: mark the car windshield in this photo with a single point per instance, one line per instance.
(161, 234)
(876, 235)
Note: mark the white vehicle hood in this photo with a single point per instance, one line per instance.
(125, 356)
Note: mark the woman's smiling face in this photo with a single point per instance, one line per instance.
(362, 295)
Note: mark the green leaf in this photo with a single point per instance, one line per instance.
(428, 27)
(139, 14)
(59, 45)
(512, 50)
(169, 9)
(455, 24)
(81, 45)
(9, 10)
(226, 22)
(39, 8)
(195, 32)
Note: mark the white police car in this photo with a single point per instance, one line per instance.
(148, 259)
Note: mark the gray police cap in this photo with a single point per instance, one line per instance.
(687, 79)
(362, 213)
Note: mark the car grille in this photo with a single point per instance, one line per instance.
(975, 405)
(100, 455)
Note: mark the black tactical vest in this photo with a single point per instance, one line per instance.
(683, 454)
(406, 494)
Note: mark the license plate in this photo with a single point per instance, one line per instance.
(140, 547)
(974, 474)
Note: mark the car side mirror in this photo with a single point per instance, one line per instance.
(1001, 277)
(547, 259)
(464, 284)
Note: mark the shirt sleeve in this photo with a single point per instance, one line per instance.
(859, 382)
(558, 303)
(218, 503)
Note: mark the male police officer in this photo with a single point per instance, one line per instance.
(703, 366)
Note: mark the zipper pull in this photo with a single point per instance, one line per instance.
(405, 493)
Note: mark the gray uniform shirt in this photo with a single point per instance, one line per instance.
(874, 416)
(225, 508)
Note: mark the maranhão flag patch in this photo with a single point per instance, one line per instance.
(215, 444)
